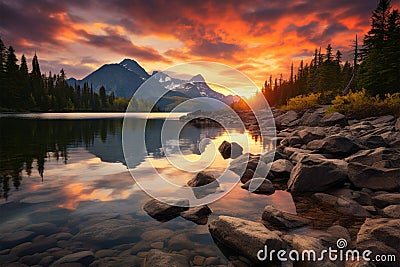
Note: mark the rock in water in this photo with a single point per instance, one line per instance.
(198, 214)
(201, 179)
(316, 174)
(381, 236)
(157, 258)
(281, 168)
(264, 186)
(387, 179)
(230, 150)
(83, 257)
(164, 212)
(334, 119)
(245, 237)
(341, 204)
(274, 218)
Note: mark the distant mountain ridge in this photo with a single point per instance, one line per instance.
(126, 77)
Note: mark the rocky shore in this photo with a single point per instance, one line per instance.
(343, 174)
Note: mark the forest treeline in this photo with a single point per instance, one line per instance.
(376, 65)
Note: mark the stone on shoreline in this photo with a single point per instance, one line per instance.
(265, 186)
(374, 178)
(316, 174)
(385, 199)
(333, 119)
(312, 117)
(341, 204)
(380, 157)
(281, 168)
(273, 218)
(336, 145)
(245, 237)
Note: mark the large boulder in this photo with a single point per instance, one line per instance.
(381, 236)
(341, 204)
(374, 178)
(157, 258)
(311, 117)
(273, 218)
(333, 119)
(243, 236)
(316, 174)
(163, 211)
(380, 157)
(230, 150)
(336, 145)
(263, 186)
(281, 168)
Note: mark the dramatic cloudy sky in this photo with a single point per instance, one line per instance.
(259, 37)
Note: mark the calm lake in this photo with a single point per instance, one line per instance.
(65, 188)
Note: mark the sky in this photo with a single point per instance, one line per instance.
(258, 38)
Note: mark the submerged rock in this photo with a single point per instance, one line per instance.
(316, 174)
(164, 212)
(343, 205)
(273, 218)
(157, 258)
(265, 186)
(245, 237)
(198, 214)
(83, 257)
(201, 179)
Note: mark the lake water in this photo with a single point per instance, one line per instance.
(65, 188)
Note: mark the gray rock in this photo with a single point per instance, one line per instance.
(272, 155)
(315, 174)
(9, 240)
(374, 141)
(336, 145)
(302, 243)
(201, 179)
(382, 119)
(380, 157)
(311, 118)
(361, 197)
(162, 211)
(198, 214)
(230, 150)
(109, 233)
(273, 218)
(333, 119)
(342, 205)
(309, 134)
(286, 118)
(374, 178)
(381, 236)
(384, 200)
(245, 237)
(392, 211)
(397, 125)
(83, 257)
(281, 168)
(157, 258)
(265, 186)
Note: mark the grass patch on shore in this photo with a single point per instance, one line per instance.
(302, 102)
(360, 105)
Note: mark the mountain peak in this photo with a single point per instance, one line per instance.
(197, 78)
(133, 66)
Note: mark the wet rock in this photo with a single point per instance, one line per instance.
(230, 150)
(162, 211)
(273, 218)
(30, 248)
(157, 258)
(333, 119)
(336, 145)
(198, 214)
(264, 186)
(105, 253)
(109, 233)
(392, 211)
(342, 205)
(361, 197)
(385, 199)
(381, 236)
(198, 260)
(315, 174)
(179, 242)
(380, 157)
(245, 237)
(201, 179)
(46, 260)
(157, 245)
(374, 178)
(240, 165)
(281, 168)
(83, 257)
(43, 228)
(247, 176)
(9, 240)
